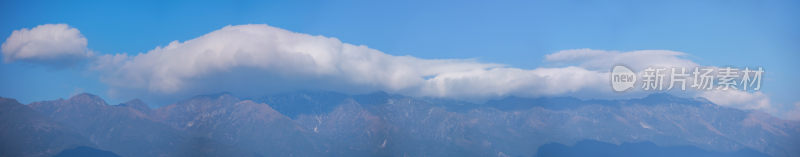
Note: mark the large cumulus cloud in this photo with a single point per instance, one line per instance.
(602, 60)
(253, 60)
(51, 44)
(257, 59)
(241, 58)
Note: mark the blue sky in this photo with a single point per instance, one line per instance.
(519, 33)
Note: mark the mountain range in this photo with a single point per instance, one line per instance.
(381, 124)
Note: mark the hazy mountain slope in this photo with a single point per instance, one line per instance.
(510, 125)
(243, 124)
(122, 130)
(602, 149)
(348, 130)
(85, 152)
(381, 124)
(306, 102)
(137, 105)
(25, 132)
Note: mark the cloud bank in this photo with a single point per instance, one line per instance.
(280, 60)
(602, 60)
(46, 44)
(254, 60)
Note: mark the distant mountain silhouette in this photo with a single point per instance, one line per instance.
(83, 151)
(242, 124)
(382, 124)
(122, 129)
(25, 132)
(601, 149)
(297, 103)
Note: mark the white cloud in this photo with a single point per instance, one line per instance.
(47, 44)
(601, 60)
(738, 99)
(273, 59)
(482, 83)
(636, 60)
(794, 112)
(253, 60)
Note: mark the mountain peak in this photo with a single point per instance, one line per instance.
(217, 98)
(378, 93)
(133, 102)
(136, 104)
(660, 98)
(86, 98)
(221, 95)
(8, 101)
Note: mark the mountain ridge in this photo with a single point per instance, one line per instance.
(381, 124)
